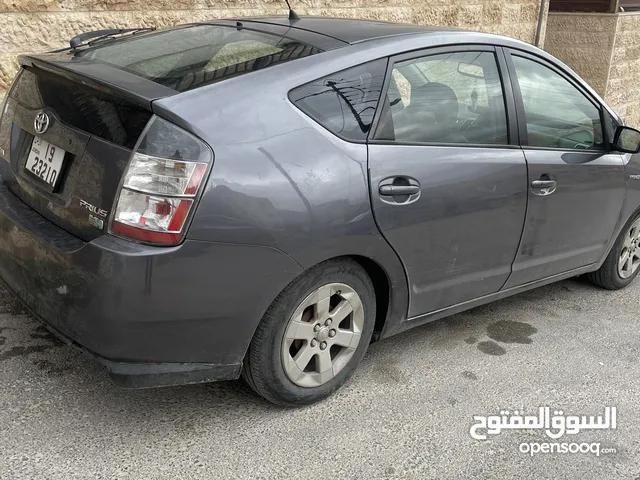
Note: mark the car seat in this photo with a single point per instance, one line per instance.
(431, 116)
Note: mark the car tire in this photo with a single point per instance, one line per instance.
(299, 326)
(611, 275)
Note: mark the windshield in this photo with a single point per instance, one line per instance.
(193, 56)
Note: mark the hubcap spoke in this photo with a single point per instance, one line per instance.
(324, 361)
(628, 240)
(300, 331)
(324, 298)
(346, 338)
(303, 357)
(339, 313)
(624, 258)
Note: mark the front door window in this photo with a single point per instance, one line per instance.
(557, 114)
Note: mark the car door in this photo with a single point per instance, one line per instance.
(448, 180)
(577, 184)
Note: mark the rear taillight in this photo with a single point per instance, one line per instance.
(163, 181)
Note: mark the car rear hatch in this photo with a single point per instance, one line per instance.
(67, 132)
(72, 118)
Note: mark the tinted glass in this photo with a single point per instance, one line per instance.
(98, 113)
(448, 98)
(193, 56)
(344, 102)
(558, 115)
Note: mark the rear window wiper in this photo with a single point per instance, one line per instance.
(90, 38)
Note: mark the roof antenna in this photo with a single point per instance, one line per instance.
(292, 15)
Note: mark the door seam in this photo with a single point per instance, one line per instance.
(524, 221)
(381, 233)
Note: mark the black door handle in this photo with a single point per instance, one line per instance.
(389, 190)
(544, 183)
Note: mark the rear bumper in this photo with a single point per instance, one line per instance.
(153, 316)
(149, 375)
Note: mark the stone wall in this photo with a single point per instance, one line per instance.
(583, 41)
(604, 49)
(40, 25)
(623, 87)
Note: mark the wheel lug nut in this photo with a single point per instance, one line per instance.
(323, 345)
(314, 342)
(316, 328)
(332, 333)
(328, 322)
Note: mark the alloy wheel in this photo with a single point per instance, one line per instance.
(629, 260)
(322, 335)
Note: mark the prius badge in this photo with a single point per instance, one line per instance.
(96, 221)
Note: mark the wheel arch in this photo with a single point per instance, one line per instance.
(625, 220)
(390, 288)
(382, 289)
(390, 284)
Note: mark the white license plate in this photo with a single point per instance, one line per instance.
(45, 161)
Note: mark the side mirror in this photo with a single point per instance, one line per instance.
(627, 140)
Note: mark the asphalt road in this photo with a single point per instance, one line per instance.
(406, 413)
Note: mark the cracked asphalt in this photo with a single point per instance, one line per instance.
(406, 414)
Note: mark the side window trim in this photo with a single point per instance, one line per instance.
(381, 107)
(503, 71)
(510, 98)
(427, 52)
(320, 123)
(519, 103)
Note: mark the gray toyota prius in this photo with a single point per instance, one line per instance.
(266, 196)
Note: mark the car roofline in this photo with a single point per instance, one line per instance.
(346, 55)
(264, 20)
(404, 34)
(293, 24)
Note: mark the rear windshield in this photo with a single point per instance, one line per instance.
(193, 56)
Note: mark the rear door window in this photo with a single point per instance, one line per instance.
(344, 102)
(449, 98)
(193, 56)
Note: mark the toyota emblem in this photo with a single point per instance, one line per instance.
(41, 123)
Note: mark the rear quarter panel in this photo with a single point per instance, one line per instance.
(281, 180)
